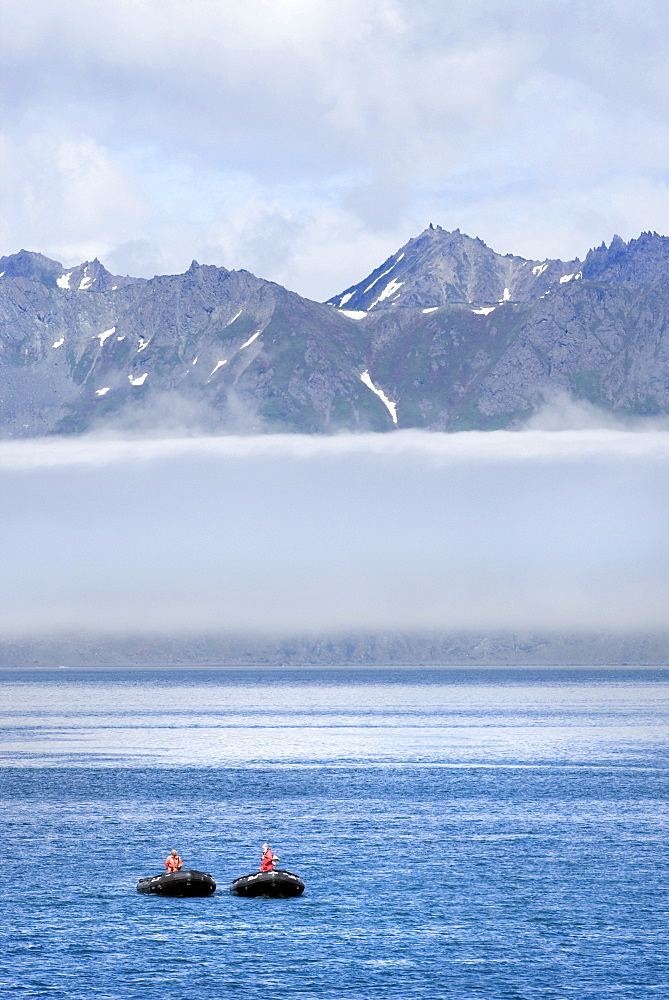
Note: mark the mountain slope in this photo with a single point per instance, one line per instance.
(211, 349)
(457, 369)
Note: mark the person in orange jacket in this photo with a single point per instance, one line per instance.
(268, 859)
(173, 862)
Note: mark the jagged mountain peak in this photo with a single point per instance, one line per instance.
(31, 265)
(439, 266)
(90, 275)
(641, 260)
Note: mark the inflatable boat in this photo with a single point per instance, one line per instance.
(276, 883)
(186, 882)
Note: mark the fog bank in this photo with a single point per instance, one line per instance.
(290, 534)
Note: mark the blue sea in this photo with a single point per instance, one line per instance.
(478, 833)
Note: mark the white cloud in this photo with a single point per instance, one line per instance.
(68, 199)
(541, 126)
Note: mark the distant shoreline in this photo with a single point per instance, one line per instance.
(305, 667)
(361, 651)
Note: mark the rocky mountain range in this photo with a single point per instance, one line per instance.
(446, 334)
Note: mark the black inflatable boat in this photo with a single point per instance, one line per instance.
(186, 882)
(276, 883)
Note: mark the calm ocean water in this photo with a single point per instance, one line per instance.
(482, 834)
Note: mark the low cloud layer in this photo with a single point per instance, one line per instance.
(535, 529)
(306, 140)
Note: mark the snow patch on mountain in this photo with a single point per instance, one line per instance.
(392, 407)
(105, 335)
(250, 340)
(391, 288)
(86, 281)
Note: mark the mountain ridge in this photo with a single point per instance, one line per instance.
(453, 337)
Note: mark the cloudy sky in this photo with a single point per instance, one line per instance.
(306, 140)
(498, 530)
